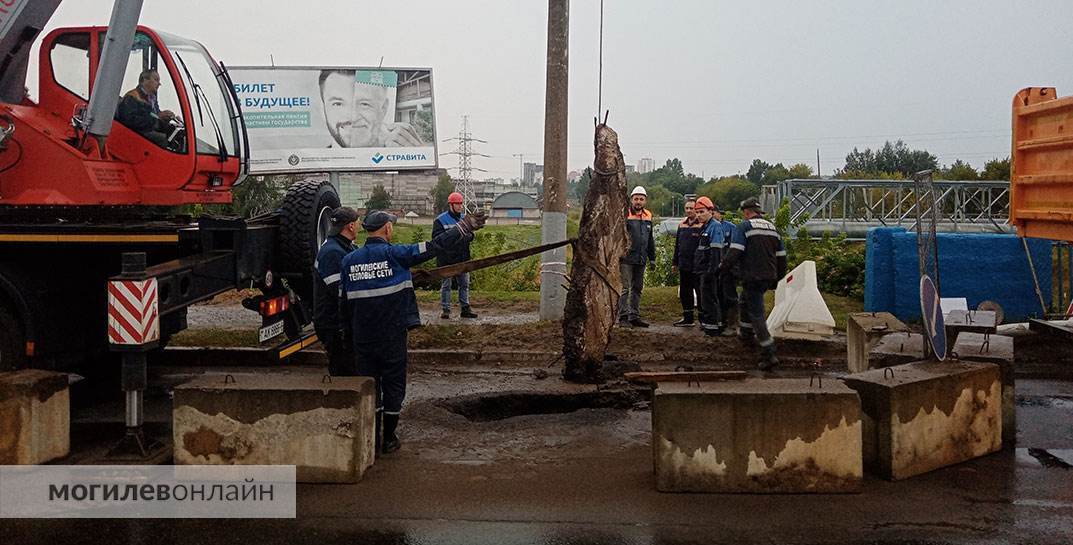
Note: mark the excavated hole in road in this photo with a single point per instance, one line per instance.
(500, 406)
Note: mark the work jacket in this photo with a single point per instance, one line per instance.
(456, 254)
(377, 289)
(642, 244)
(710, 248)
(685, 244)
(328, 265)
(757, 245)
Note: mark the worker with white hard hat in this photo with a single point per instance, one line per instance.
(642, 251)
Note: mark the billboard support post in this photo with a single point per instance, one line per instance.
(553, 221)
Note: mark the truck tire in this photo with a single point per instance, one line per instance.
(12, 342)
(304, 224)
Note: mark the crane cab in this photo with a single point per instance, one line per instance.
(195, 152)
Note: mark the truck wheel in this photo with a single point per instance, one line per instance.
(304, 224)
(12, 343)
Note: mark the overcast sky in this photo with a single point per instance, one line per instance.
(714, 83)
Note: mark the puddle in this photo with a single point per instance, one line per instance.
(1048, 402)
(500, 406)
(1047, 458)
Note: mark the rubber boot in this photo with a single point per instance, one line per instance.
(731, 317)
(468, 312)
(445, 315)
(768, 361)
(686, 321)
(391, 438)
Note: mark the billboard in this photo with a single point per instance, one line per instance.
(313, 119)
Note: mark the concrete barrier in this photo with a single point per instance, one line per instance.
(997, 349)
(758, 436)
(923, 416)
(326, 429)
(35, 417)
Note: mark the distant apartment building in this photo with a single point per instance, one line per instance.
(630, 169)
(410, 190)
(530, 172)
(646, 165)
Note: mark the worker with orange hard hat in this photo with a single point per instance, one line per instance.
(707, 258)
(454, 214)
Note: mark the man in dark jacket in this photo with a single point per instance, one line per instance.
(685, 247)
(454, 214)
(642, 251)
(140, 112)
(379, 307)
(757, 245)
(328, 265)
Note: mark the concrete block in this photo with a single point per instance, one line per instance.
(923, 416)
(863, 331)
(757, 436)
(325, 429)
(996, 349)
(35, 417)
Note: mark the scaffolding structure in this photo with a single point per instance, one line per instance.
(959, 205)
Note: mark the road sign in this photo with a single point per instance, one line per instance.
(932, 312)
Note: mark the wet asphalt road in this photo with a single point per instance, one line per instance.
(589, 481)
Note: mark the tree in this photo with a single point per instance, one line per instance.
(996, 169)
(579, 188)
(727, 193)
(775, 174)
(439, 193)
(756, 171)
(959, 170)
(800, 170)
(379, 199)
(660, 200)
(890, 159)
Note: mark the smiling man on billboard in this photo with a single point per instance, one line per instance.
(356, 104)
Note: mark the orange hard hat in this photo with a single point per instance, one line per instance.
(454, 198)
(706, 203)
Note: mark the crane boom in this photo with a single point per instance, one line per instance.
(21, 21)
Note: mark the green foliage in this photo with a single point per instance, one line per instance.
(579, 188)
(661, 273)
(418, 235)
(996, 169)
(756, 171)
(520, 275)
(379, 199)
(959, 170)
(423, 125)
(727, 193)
(443, 189)
(839, 262)
(800, 170)
(259, 194)
(891, 158)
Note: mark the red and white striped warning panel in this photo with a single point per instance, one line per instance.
(133, 316)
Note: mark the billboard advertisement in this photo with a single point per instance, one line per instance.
(303, 119)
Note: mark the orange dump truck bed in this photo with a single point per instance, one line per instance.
(1041, 181)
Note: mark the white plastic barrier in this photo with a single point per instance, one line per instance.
(800, 311)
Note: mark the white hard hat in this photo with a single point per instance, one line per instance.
(639, 191)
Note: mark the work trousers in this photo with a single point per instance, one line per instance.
(728, 296)
(340, 354)
(753, 324)
(462, 281)
(633, 282)
(710, 316)
(385, 361)
(688, 284)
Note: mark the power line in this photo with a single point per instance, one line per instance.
(464, 181)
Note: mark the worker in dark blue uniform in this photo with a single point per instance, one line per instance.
(455, 212)
(328, 265)
(728, 280)
(377, 297)
(707, 300)
(758, 246)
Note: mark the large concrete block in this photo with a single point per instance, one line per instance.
(35, 417)
(324, 428)
(997, 349)
(863, 331)
(756, 435)
(923, 416)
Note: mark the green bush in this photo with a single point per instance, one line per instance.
(661, 273)
(839, 262)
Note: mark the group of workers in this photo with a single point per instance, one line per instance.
(364, 301)
(711, 256)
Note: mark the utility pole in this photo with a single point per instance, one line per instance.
(553, 221)
(818, 174)
(464, 181)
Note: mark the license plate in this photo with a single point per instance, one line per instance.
(269, 331)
